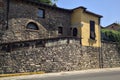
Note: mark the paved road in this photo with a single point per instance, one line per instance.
(77, 75)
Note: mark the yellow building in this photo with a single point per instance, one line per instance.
(86, 25)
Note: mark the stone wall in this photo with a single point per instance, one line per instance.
(56, 55)
(54, 17)
(2, 22)
(110, 54)
(23, 12)
(19, 32)
(66, 55)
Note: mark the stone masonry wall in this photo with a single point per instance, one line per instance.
(22, 12)
(64, 56)
(56, 55)
(54, 17)
(2, 15)
(19, 32)
(111, 55)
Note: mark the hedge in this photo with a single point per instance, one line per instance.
(110, 35)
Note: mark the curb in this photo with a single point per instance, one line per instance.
(21, 74)
(33, 74)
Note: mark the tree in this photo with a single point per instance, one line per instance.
(50, 2)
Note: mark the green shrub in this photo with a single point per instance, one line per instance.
(110, 35)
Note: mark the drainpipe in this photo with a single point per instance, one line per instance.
(100, 51)
(7, 14)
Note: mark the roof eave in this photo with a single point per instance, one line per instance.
(38, 3)
(100, 16)
(84, 8)
(69, 10)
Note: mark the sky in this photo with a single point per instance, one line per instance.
(109, 9)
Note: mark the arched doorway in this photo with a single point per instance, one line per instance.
(75, 31)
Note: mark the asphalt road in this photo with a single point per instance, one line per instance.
(82, 75)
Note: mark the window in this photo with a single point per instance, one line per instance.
(41, 13)
(60, 30)
(32, 25)
(92, 30)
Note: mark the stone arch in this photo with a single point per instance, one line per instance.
(17, 30)
(37, 24)
(32, 25)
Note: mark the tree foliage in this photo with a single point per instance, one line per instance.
(110, 35)
(50, 2)
(45, 1)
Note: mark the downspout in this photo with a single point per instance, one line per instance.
(100, 51)
(7, 14)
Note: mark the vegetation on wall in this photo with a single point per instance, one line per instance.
(110, 35)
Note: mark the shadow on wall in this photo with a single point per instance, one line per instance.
(91, 42)
(118, 46)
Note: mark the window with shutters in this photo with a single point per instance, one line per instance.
(92, 30)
